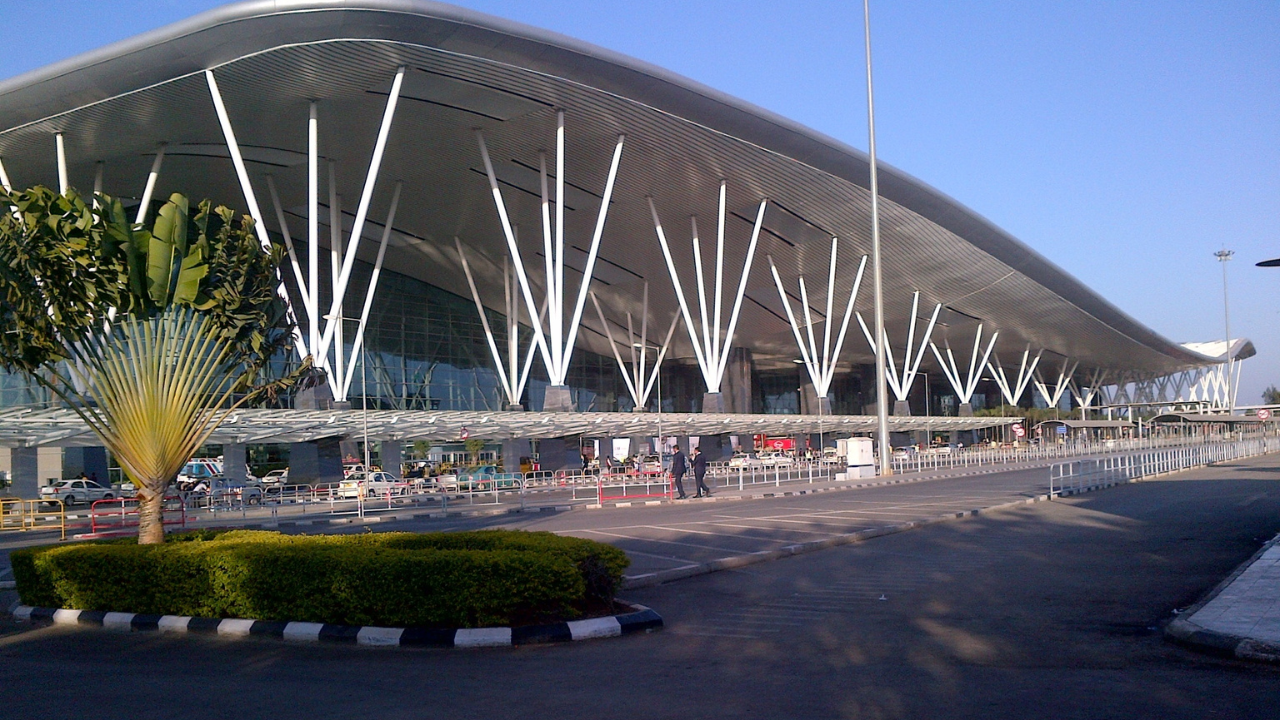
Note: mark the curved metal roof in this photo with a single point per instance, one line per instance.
(469, 70)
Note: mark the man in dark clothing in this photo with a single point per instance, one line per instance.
(699, 462)
(678, 469)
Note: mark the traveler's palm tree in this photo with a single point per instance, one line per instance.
(152, 338)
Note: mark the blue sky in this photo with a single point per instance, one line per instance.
(1125, 141)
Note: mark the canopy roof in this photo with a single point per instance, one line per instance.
(467, 70)
(28, 428)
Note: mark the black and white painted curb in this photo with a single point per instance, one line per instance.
(640, 619)
(632, 582)
(1182, 631)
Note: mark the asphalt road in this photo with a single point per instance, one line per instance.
(1049, 610)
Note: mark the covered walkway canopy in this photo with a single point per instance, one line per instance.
(28, 428)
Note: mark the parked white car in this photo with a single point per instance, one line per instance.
(776, 459)
(71, 492)
(747, 461)
(377, 484)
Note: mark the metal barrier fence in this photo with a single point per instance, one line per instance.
(119, 516)
(951, 458)
(647, 480)
(18, 514)
(1079, 474)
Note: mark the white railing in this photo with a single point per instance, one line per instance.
(1077, 475)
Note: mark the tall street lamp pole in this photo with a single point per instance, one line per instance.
(882, 390)
(1224, 256)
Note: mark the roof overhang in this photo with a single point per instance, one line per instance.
(471, 70)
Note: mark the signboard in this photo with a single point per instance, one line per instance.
(764, 442)
(1018, 430)
(464, 433)
(1062, 429)
(1264, 414)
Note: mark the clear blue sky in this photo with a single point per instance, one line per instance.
(1125, 141)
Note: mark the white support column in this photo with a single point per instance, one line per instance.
(242, 173)
(504, 378)
(966, 384)
(335, 268)
(557, 343)
(63, 183)
(1053, 397)
(1013, 391)
(639, 377)
(373, 287)
(820, 364)
(303, 288)
(4, 178)
(313, 226)
(150, 188)
(334, 319)
(901, 384)
(98, 169)
(712, 349)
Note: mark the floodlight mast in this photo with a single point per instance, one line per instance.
(1224, 255)
(882, 409)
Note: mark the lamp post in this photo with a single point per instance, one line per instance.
(657, 371)
(364, 412)
(882, 409)
(1224, 255)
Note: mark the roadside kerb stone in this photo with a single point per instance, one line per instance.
(637, 619)
(1183, 631)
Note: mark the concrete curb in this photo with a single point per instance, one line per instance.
(1181, 631)
(639, 619)
(737, 561)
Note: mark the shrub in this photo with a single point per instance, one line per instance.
(490, 577)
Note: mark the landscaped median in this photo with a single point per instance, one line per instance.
(438, 582)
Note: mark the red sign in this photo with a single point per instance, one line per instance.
(1018, 430)
(464, 433)
(763, 442)
(1264, 414)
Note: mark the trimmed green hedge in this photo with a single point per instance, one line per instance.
(472, 579)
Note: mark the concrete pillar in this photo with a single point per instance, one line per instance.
(315, 461)
(560, 454)
(315, 398)
(901, 408)
(714, 447)
(512, 450)
(713, 403)
(233, 459)
(966, 410)
(391, 456)
(736, 386)
(24, 477)
(91, 461)
(558, 398)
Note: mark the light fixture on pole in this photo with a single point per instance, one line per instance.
(1224, 255)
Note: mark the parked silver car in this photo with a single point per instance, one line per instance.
(71, 492)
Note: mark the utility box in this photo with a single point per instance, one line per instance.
(859, 457)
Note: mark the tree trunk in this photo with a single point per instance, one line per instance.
(150, 516)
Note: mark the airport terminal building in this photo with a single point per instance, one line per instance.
(503, 232)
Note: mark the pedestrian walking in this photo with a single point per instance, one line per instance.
(678, 469)
(699, 462)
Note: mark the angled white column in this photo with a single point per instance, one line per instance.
(1052, 397)
(514, 376)
(1013, 391)
(98, 169)
(149, 190)
(638, 377)
(282, 221)
(1084, 395)
(334, 320)
(711, 344)
(313, 225)
(373, 287)
(4, 178)
(821, 364)
(557, 340)
(965, 384)
(335, 268)
(251, 199)
(63, 183)
(911, 358)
